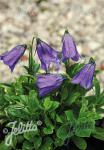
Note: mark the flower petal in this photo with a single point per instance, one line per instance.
(12, 57)
(85, 76)
(80, 75)
(46, 54)
(88, 79)
(69, 49)
(47, 83)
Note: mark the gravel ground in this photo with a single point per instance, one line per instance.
(20, 20)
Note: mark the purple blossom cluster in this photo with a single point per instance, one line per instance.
(47, 55)
(46, 83)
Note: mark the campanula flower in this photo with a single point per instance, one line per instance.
(12, 57)
(49, 82)
(85, 76)
(69, 49)
(46, 54)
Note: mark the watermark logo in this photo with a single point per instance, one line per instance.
(20, 129)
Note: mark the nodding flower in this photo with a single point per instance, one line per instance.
(49, 82)
(85, 76)
(12, 57)
(46, 54)
(69, 50)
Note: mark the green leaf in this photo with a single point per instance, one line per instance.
(20, 139)
(84, 128)
(97, 87)
(33, 102)
(59, 119)
(37, 142)
(48, 130)
(64, 93)
(85, 123)
(17, 87)
(47, 103)
(55, 105)
(17, 111)
(9, 98)
(100, 100)
(59, 142)
(47, 145)
(30, 135)
(4, 147)
(91, 100)
(27, 146)
(72, 70)
(100, 111)
(73, 97)
(36, 68)
(64, 132)
(84, 107)
(79, 142)
(98, 133)
(49, 126)
(50, 105)
(53, 115)
(23, 99)
(70, 116)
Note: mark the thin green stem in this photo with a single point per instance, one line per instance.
(31, 57)
(30, 71)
